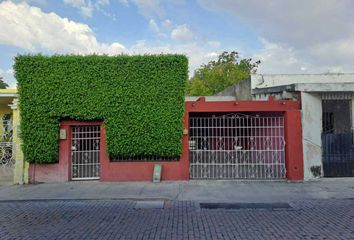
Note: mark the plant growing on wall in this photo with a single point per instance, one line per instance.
(139, 98)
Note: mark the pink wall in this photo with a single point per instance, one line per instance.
(55, 172)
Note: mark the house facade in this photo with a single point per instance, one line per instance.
(326, 116)
(126, 118)
(223, 139)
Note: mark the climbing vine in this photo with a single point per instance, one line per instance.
(139, 98)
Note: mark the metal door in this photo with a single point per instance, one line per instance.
(85, 152)
(236, 146)
(337, 139)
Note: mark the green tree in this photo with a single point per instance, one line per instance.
(215, 76)
(3, 84)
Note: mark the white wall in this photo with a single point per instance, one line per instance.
(311, 133)
(262, 81)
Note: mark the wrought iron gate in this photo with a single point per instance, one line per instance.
(337, 138)
(85, 152)
(236, 146)
(7, 149)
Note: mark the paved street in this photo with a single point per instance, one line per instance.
(123, 219)
(199, 191)
(322, 209)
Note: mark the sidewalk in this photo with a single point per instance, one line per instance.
(199, 191)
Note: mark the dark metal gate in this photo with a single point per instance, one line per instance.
(337, 139)
(236, 146)
(85, 152)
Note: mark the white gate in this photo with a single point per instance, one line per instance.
(85, 152)
(7, 151)
(236, 146)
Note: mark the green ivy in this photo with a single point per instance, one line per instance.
(139, 98)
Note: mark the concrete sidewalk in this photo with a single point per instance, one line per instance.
(199, 191)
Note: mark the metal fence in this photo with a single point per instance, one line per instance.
(7, 160)
(85, 152)
(237, 146)
(148, 158)
(337, 137)
(7, 151)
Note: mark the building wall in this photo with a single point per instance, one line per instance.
(21, 167)
(54, 172)
(240, 90)
(311, 105)
(143, 171)
(109, 171)
(265, 80)
(179, 170)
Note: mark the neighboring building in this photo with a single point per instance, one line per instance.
(327, 116)
(12, 167)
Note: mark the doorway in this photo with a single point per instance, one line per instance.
(337, 138)
(85, 152)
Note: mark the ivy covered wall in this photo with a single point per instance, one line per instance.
(139, 98)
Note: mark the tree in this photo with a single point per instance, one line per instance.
(215, 76)
(3, 84)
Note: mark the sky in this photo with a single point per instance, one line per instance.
(288, 36)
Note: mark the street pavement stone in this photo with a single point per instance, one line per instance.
(149, 204)
(113, 219)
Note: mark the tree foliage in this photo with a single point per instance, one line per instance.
(215, 76)
(3, 84)
(139, 98)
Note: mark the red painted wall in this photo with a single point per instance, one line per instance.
(54, 172)
(293, 147)
(179, 170)
(142, 171)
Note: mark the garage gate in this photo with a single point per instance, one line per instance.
(236, 146)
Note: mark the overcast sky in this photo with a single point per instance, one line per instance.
(288, 36)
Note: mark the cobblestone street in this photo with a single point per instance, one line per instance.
(104, 219)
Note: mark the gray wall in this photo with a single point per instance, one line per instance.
(311, 104)
(240, 90)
